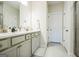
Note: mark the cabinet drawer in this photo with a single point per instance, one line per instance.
(36, 34)
(16, 40)
(4, 44)
(33, 35)
(28, 36)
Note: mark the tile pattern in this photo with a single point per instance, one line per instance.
(55, 50)
(52, 50)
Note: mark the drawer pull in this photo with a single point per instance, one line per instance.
(19, 46)
(0, 45)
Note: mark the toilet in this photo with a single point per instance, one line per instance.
(40, 52)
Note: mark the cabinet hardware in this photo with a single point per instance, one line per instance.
(66, 30)
(19, 46)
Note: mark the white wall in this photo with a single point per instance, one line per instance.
(68, 37)
(35, 16)
(25, 15)
(10, 15)
(39, 12)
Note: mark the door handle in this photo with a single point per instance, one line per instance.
(50, 29)
(66, 30)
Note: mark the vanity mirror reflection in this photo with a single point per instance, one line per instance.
(18, 15)
(9, 15)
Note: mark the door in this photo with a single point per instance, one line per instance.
(55, 27)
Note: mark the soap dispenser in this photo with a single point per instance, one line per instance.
(9, 30)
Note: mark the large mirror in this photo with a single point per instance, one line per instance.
(15, 16)
(9, 14)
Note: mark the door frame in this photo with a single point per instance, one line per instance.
(75, 27)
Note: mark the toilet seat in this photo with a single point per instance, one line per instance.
(40, 52)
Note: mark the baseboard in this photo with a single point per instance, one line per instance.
(55, 42)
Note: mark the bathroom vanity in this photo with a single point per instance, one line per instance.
(19, 44)
(28, 22)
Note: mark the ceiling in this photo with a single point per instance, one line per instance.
(16, 4)
(54, 2)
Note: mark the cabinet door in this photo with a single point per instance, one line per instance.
(25, 49)
(11, 52)
(35, 43)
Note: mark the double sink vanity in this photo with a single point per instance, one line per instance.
(19, 44)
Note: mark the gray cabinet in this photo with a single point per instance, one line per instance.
(20, 46)
(16, 40)
(12, 53)
(25, 49)
(20, 50)
(35, 42)
(5, 43)
(16, 47)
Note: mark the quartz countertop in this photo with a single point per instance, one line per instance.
(11, 34)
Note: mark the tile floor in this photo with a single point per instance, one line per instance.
(52, 50)
(55, 50)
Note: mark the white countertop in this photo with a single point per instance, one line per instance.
(11, 34)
